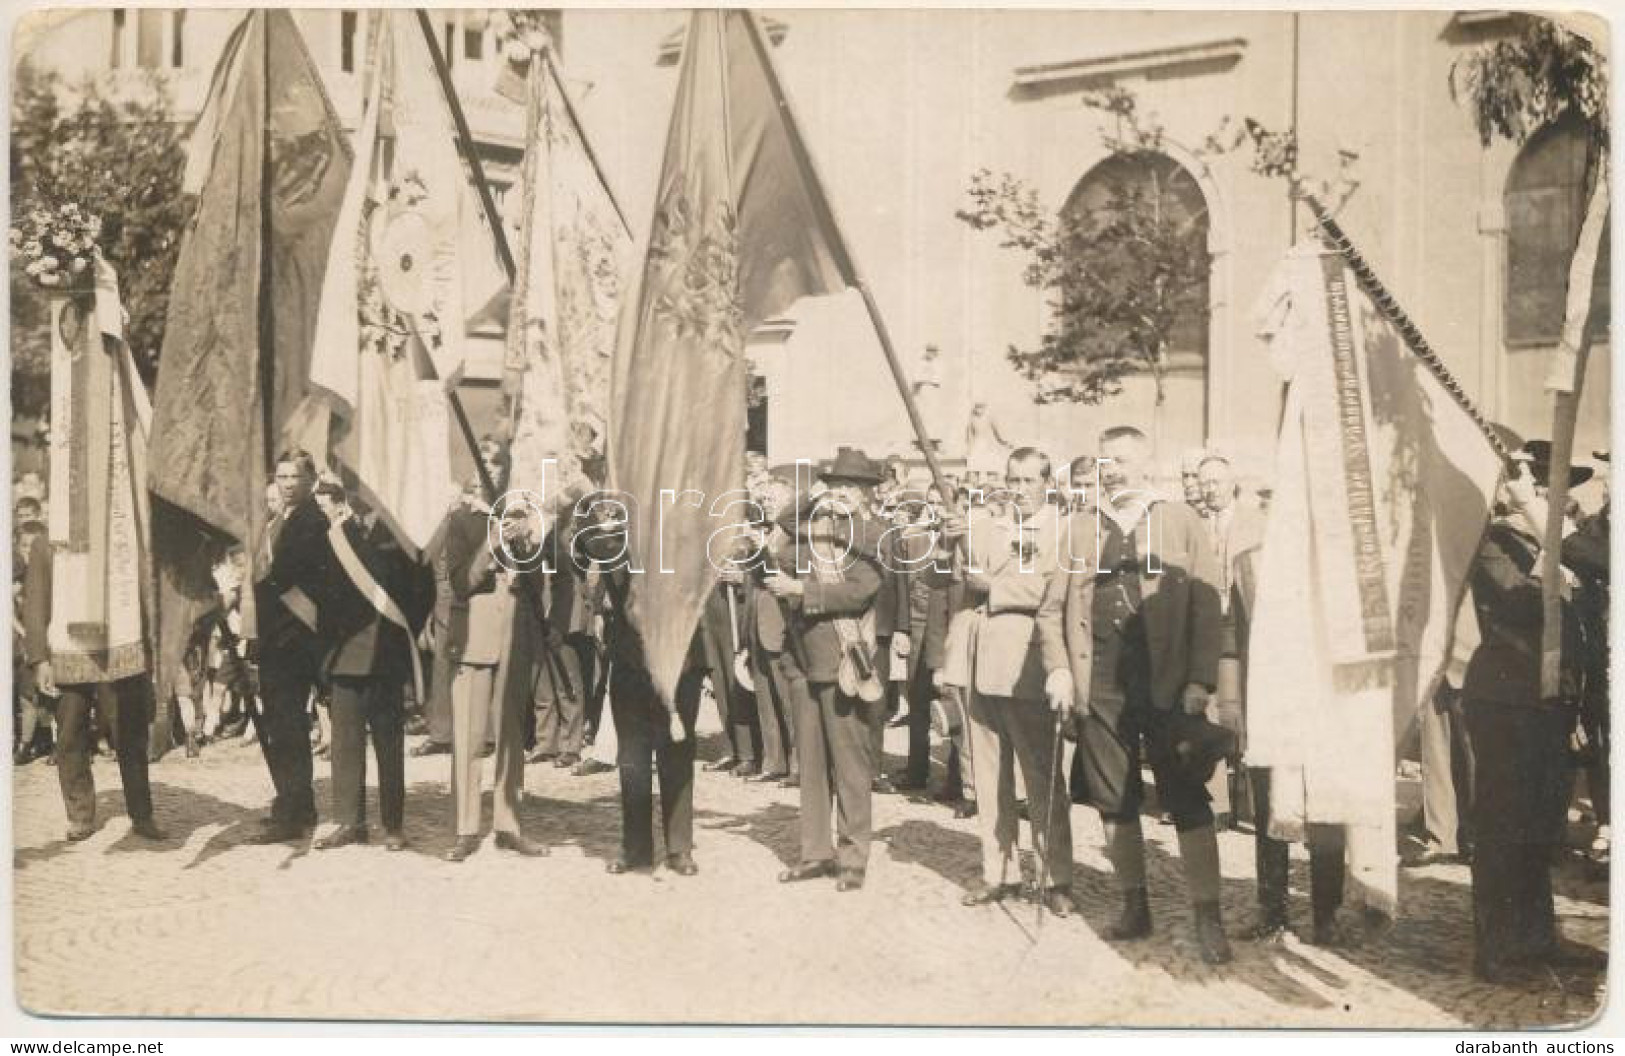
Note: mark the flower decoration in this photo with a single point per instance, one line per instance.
(57, 247)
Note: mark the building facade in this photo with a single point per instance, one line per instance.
(900, 108)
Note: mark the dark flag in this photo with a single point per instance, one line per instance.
(269, 162)
(741, 230)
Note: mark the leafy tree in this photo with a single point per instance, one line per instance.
(121, 159)
(1542, 74)
(1122, 273)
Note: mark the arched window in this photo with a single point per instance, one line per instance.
(1545, 205)
(1160, 184)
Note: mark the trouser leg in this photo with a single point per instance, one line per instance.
(470, 696)
(131, 700)
(285, 737)
(1270, 856)
(919, 726)
(1327, 870)
(1031, 727)
(675, 761)
(816, 791)
(846, 727)
(1502, 779)
(437, 710)
(1440, 821)
(631, 702)
(996, 785)
(347, 708)
(775, 750)
(386, 719)
(75, 742)
(510, 760)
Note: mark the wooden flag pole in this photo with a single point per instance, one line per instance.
(848, 265)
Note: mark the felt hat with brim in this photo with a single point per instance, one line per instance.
(852, 466)
(1540, 465)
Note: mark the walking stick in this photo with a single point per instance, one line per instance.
(1042, 847)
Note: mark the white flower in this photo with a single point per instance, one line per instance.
(50, 263)
(50, 280)
(77, 265)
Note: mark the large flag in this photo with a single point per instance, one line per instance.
(741, 230)
(391, 333)
(242, 307)
(1382, 493)
(574, 249)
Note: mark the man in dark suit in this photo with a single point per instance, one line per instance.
(1520, 739)
(287, 598)
(644, 745)
(924, 570)
(378, 601)
(1141, 640)
(832, 664)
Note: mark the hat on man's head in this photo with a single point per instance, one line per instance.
(1513, 443)
(1540, 465)
(852, 465)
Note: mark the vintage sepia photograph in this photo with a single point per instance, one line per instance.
(821, 517)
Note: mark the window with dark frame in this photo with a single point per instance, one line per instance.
(116, 59)
(1545, 203)
(347, 26)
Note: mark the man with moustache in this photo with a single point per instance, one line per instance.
(827, 581)
(1140, 642)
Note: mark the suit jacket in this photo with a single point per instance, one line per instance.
(302, 562)
(1505, 668)
(37, 602)
(1008, 590)
(360, 641)
(815, 646)
(934, 580)
(1179, 604)
(467, 575)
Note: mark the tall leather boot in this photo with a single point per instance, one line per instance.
(1327, 873)
(1271, 859)
(1199, 850)
(1125, 847)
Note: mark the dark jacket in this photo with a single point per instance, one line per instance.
(37, 602)
(1505, 668)
(301, 561)
(815, 646)
(360, 641)
(464, 541)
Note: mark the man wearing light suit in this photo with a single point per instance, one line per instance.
(1009, 556)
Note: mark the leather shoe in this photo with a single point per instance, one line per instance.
(342, 836)
(567, 760)
(394, 841)
(682, 864)
(521, 845)
(539, 755)
(280, 832)
(905, 783)
(619, 866)
(147, 829)
(1058, 900)
(765, 778)
(80, 833)
(429, 748)
(727, 762)
(983, 893)
(882, 786)
(807, 871)
(793, 781)
(964, 810)
(850, 880)
(465, 846)
(746, 770)
(588, 767)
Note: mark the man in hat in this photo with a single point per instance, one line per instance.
(828, 577)
(1008, 558)
(1142, 673)
(1586, 551)
(1520, 739)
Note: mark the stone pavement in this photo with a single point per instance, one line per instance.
(206, 925)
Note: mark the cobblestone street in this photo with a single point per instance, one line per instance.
(207, 925)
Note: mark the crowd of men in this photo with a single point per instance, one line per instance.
(870, 597)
